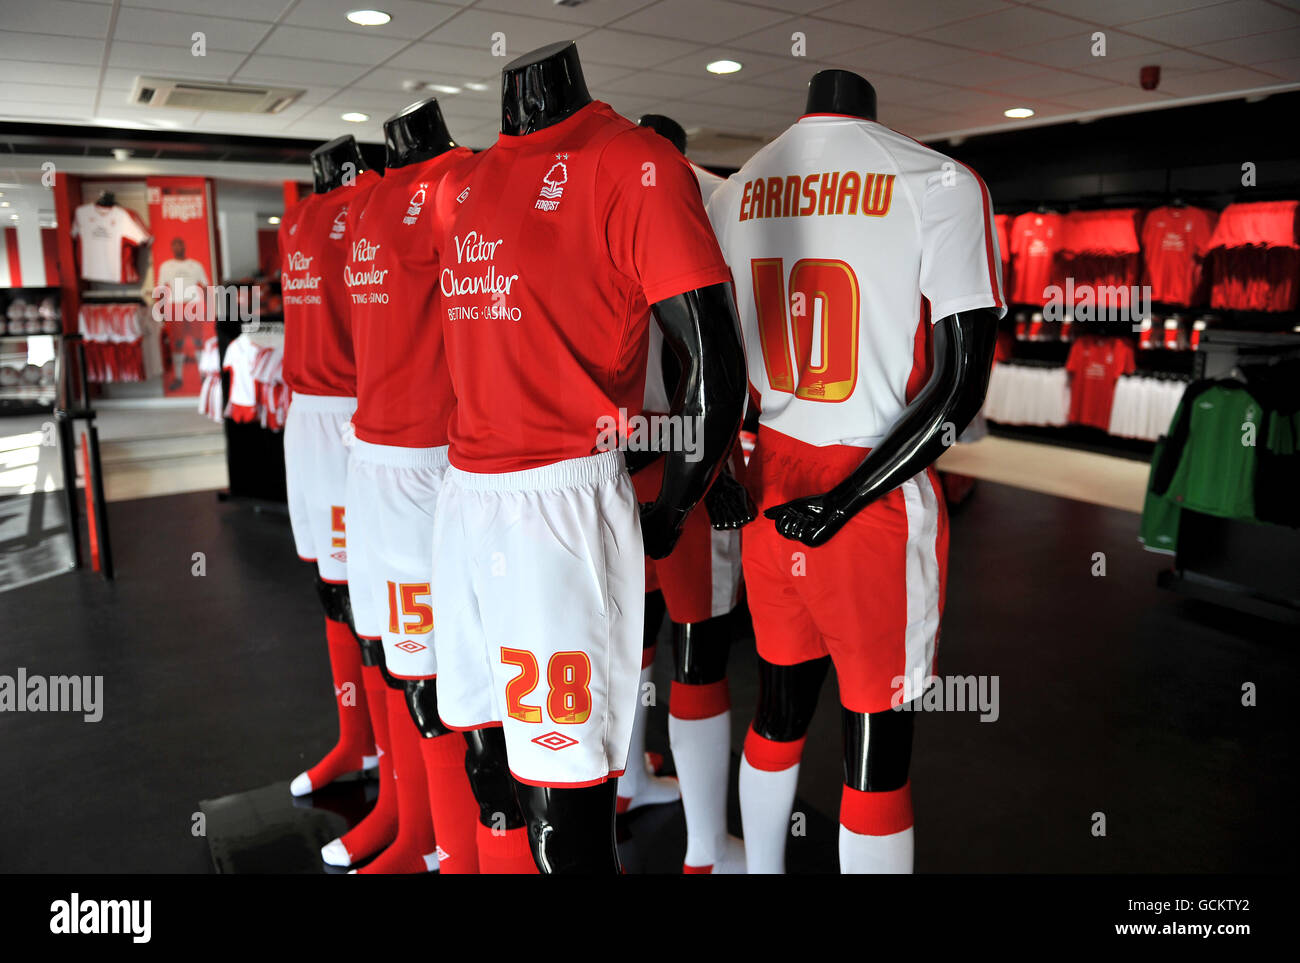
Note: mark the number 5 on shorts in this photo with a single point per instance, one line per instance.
(567, 673)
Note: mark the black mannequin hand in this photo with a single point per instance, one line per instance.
(661, 526)
(812, 520)
(728, 503)
(637, 460)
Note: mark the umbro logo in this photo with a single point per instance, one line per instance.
(410, 645)
(555, 741)
(340, 556)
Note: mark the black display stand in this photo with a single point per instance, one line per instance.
(1249, 566)
(254, 455)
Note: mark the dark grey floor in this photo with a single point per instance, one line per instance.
(1115, 698)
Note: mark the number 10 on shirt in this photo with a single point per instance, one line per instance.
(822, 312)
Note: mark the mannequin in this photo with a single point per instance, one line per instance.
(699, 720)
(877, 745)
(571, 829)
(335, 163)
(331, 163)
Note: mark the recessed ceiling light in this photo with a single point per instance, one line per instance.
(444, 88)
(369, 18)
(4, 203)
(722, 67)
(355, 117)
(272, 220)
(476, 86)
(1018, 112)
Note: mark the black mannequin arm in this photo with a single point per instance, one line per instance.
(963, 358)
(702, 329)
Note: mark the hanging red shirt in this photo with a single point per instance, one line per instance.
(1174, 242)
(1035, 242)
(1096, 364)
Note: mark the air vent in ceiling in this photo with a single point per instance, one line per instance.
(201, 95)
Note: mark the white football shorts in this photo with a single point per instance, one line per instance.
(317, 436)
(539, 587)
(392, 493)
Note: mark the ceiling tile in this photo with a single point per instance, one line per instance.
(42, 111)
(444, 58)
(1216, 82)
(896, 17)
(1288, 69)
(1076, 51)
(906, 55)
(652, 83)
(50, 49)
(715, 22)
(411, 19)
(155, 59)
(981, 71)
(595, 14)
(821, 38)
(1222, 21)
(1116, 12)
(1005, 29)
(18, 93)
(61, 17)
(1258, 49)
(263, 10)
(288, 70)
(617, 47)
(24, 71)
(1125, 70)
(1051, 84)
(476, 28)
(1114, 96)
(178, 29)
(329, 46)
(752, 64)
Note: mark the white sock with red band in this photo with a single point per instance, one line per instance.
(769, 776)
(699, 729)
(639, 786)
(876, 831)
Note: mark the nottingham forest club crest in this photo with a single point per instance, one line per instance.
(548, 198)
(416, 203)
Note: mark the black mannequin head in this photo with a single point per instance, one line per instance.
(329, 162)
(106, 199)
(841, 92)
(667, 127)
(542, 88)
(415, 134)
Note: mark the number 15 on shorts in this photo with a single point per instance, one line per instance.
(568, 677)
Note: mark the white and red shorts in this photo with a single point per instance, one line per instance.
(870, 598)
(317, 436)
(700, 578)
(391, 496)
(539, 590)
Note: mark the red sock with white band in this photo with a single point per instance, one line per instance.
(505, 852)
(699, 730)
(876, 831)
(356, 746)
(379, 828)
(451, 804)
(769, 775)
(413, 851)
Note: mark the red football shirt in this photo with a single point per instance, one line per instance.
(404, 392)
(317, 337)
(1174, 242)
(552, 247)
(1035, 241)
(1096, 364)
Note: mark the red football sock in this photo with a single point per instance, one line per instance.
(356, 740)
(412, 851)
(379, 828)
(451, 802)
(506, 852)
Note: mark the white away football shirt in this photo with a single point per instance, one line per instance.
(845, 239)
(103, 231)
